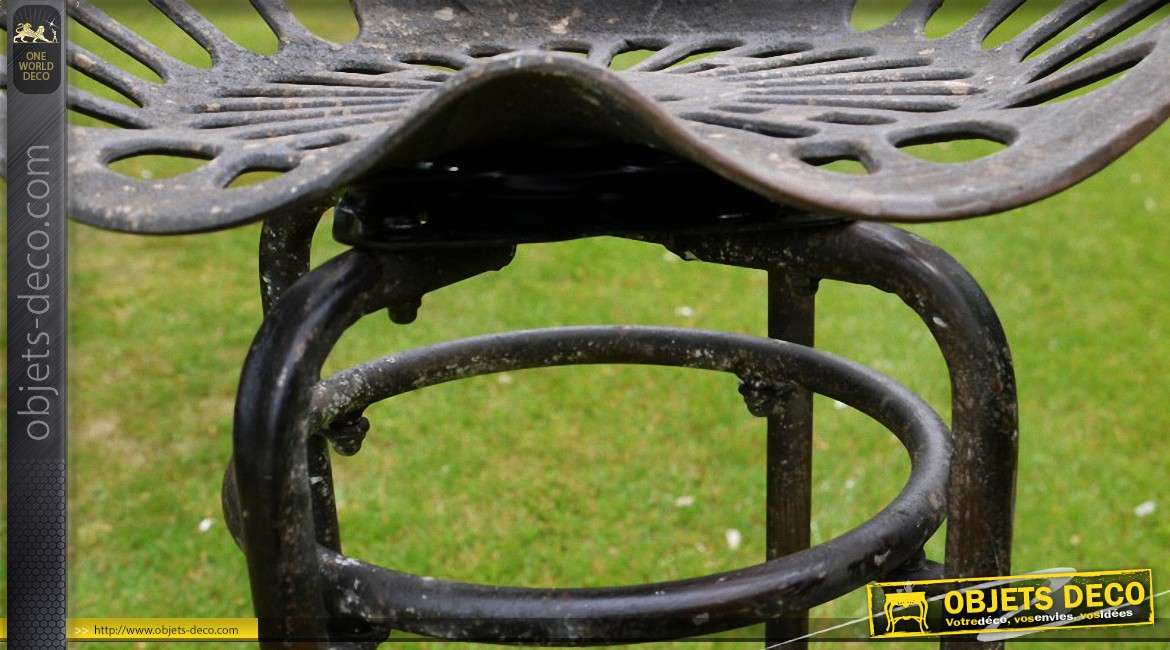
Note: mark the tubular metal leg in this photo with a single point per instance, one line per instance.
(272, 427)
(791, 317)
(285, 246)
(970, 337)
(285, 249)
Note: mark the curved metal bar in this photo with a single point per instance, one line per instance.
(285, 250)
(270, 455)
(984, 414)
(285, 247)
(667, 610)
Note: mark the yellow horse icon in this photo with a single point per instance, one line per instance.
(916, 599)
(26, 34)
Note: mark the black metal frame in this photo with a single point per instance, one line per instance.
(984, 413)
(285, 415)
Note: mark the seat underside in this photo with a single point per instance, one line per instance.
(548, 190)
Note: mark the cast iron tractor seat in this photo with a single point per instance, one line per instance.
(779, 88)
(480, 123)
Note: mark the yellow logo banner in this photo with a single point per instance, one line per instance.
(1032, 602)
(157, 629)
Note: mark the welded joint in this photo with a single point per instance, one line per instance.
(765, 398)
(347, 433)
(800, 284)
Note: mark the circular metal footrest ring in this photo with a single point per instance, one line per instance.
(658, 611)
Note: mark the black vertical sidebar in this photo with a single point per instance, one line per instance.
(35, 151)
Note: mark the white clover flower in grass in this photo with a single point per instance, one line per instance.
(734, 538)
(1145, 508)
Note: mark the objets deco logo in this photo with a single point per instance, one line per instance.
(1011, 605)
(36, 49)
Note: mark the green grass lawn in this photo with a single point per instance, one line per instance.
(582, 476)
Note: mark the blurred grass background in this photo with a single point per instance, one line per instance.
(606, 475)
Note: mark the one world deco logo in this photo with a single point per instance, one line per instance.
(25, 34)
(36, 49)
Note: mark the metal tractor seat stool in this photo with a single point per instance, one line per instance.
(448, 133)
